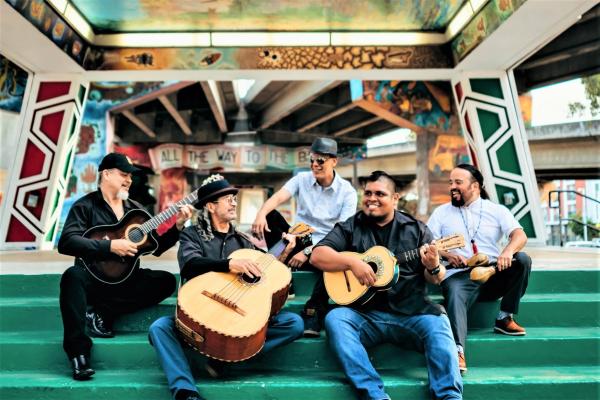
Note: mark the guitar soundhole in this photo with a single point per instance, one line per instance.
(247, 279)
(135, 235)
(373, 266)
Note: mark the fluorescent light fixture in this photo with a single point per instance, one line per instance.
(79, 23)
(59, 5)
(256, 39)
(459, 21)
(386, 38)
(154, 40)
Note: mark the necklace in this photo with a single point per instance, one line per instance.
(473, 245)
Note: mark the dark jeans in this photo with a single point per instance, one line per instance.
(319, 298)
(78, 289)
(460, 293)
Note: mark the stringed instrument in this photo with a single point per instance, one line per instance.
(137, 226)
(225, 315)
(344, 289)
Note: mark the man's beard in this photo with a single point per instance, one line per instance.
(375, 218)
(123, 194)
(457, 202)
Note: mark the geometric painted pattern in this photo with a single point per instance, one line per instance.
(498, 146)
(45, 152)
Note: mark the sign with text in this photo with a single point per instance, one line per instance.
(228, 157)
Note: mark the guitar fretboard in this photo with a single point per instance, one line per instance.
(162, 217)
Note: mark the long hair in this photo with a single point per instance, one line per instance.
(477, 176)
(204, 226)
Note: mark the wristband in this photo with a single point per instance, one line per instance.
(434, 271)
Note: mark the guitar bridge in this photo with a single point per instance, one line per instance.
(226, 302)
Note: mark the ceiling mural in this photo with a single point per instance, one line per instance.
(268, 58)
(483, 25)
(260, 15)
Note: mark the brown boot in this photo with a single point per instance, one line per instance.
(462, 363)
(508, 326)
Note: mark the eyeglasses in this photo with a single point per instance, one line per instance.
(377, 194)
(319, 160)
(230, 198)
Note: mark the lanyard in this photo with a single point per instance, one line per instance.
(473, 245)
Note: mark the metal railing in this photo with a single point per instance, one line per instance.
(558, 204)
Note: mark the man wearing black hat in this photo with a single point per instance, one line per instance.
(322, 199)
(483, 223)
(78, 288)
(203, 248)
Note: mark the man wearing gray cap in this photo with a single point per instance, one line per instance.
(322, 199)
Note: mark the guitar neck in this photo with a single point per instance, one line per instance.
(415, 255)
(163, 216)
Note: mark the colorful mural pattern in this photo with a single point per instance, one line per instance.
(43, 17)
(489, 18)
(259, 15)
(13, 81)
(268, 58)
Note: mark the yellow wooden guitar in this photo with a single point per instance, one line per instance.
(344, 289)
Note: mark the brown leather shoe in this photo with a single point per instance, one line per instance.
(508, 326)
(462, 363)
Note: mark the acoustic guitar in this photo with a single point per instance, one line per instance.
(344, 289)
(225, 315)
(138, 227)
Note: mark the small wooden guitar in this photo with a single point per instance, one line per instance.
(137, 226)
(344, 289)
(302, 232)
(225, 315)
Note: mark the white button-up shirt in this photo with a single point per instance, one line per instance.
(321, 207)
(482, 220)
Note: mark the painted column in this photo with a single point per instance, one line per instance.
(47, 145)
(490, 115)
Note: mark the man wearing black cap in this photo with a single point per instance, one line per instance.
(78, 288)
(483, 223)
(203, 248)
(322, 199)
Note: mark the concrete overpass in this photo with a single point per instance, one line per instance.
(558, 151)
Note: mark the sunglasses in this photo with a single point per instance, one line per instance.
(231, 199)
(319, 160)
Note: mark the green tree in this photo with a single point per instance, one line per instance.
(592, 93)
(577, 227)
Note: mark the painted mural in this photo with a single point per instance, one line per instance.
(93, 145)
(260, 15)
(268, 58)
(424, 104)
(13, 81)
(53, 26)
(483, 25)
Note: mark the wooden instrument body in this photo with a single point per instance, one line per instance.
(343, 287)
(225, 316)
(116, 269)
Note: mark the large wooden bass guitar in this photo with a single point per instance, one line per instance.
(137, 226)
(344, 289)
(225, 315)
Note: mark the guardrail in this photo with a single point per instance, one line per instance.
(561, 219)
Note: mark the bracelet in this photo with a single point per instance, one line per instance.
(434, 271)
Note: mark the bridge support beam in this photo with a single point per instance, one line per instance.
(490, 116)
(47, 145)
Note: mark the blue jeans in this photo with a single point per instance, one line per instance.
(350, 332)
(284, 328)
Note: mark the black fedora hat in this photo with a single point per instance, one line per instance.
(212, 188)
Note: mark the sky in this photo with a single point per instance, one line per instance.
(550, 103)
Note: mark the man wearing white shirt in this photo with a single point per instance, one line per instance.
(482, 223)
(323, 198)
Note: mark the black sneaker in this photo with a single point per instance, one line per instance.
(312, 324)
(96, 325)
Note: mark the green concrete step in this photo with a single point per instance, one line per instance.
(548, 383)
(541, 281)
(563, 309)
(541, 346)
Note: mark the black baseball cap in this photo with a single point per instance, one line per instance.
(118, 161)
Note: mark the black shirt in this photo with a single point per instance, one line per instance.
(409, 295)
(197, 256)
(92, 210)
